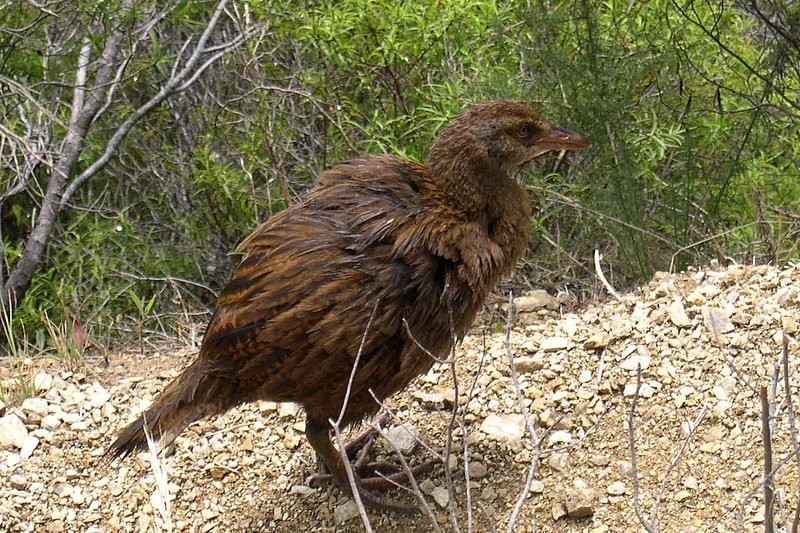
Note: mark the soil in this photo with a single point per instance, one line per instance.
(706, 341)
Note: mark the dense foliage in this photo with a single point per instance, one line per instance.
(693, 109)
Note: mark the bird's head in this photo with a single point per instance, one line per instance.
(503, 133)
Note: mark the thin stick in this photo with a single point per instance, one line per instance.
(351, 477)
(676, 457)
(792, 422)
(531, 426)
(637, 504)
(599, 271)
(769, 494)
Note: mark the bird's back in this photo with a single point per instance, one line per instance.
(375, 243)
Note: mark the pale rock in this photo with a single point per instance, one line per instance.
(634, 361)
(677, 314)
(579, 503)
(585, 376)
(35, 406)
(559, 437)
(537, 487)
(696, 298)
(526, 365)
(717, 320)
(558, 461)
(18, 481)
(217, 472)
(452, 462)
(511, 427)
(533, 300)
(724, 388)
(441, 496)
(51, 422)
(403, 437)
(597, 341)
(558, 511)
(617, 488)
(621, 328)
(624, 468)
(29, 444)
(570, 326)
(682, 495)
(427, 487)
(690, 483)
(554, 344)
(344, 512)
(488, 493)
(429, 397)
(287, 409)
(99, 397)
(71, 418)
(42, 381)
(302, 490)
(12, 431)
(645, 391)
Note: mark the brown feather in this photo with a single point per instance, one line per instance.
(416, 244)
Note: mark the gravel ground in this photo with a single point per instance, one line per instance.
(706, 342)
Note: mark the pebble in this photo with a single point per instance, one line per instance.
(579, 503)
(526, 365)
(18, 481)
(287, 409)
(558, 461)
(427, 486)
(717, 320)
(617, 488)
(559, 437)
(12, 431)
(42, 381)
(477, 470)
(554, 344)
(597, 341)
(35, 406)
(51, 422)
(633, 362)
(344, 512)
(403, 438)
(645, 390)
(29, 444)
(99, 398)
(677, 314)
(533, 300)
(511, 427)
(441, 496)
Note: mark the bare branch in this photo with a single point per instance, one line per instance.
(529, 423)
(179, 81)
(637, 503)
(766, 436)
(599, 271)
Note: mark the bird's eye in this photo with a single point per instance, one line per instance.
(525, 131)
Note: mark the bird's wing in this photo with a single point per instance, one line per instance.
(314, 275)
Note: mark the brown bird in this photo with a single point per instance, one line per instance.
(386, 260)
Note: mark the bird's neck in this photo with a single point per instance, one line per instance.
(467, 177)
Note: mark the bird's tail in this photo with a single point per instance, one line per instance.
(191, 396)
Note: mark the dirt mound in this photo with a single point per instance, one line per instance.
(706, 342)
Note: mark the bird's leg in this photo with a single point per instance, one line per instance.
(318, 434)
(359, 446)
